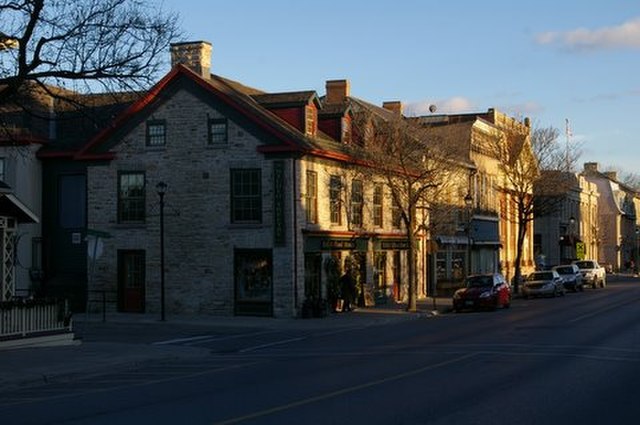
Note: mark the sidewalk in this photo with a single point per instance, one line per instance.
(21, 367)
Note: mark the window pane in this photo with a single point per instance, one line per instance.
(335, 188)
(246, 195)
(217, 131)
(377, 205)
(131, 197)
(356, 203)
(156, 132)
(311, 197)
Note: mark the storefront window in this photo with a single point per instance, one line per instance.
(253, 281)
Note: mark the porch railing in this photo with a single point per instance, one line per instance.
(22, 318)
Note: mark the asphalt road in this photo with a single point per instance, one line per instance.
(572, 359)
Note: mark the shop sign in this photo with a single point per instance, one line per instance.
(394, 245)
(338, 244)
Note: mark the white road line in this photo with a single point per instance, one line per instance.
(271, 344)
(181, 340)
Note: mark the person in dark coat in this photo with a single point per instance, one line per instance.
(347, 287)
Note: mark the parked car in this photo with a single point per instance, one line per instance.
(571, 277)
(592, 273)
(488, 291)
(543, 283)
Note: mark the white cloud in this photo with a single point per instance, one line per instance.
(452, 105)
(625, 35)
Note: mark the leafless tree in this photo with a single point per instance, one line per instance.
(418, 171)
(536, 169)
(65, 47)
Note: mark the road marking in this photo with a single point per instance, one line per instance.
(181, 340)
(343, 391)
(271, 344)
(208, 338)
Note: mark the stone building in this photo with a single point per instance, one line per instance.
(617, 227)
(487, 225)
(567, 227)
(262, 207)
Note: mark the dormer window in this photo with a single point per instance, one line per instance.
(311, 120)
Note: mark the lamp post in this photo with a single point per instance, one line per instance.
(468, 202)
(161, 188)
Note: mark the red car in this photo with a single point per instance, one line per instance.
(488, 291)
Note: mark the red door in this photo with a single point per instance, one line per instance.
(131, 281)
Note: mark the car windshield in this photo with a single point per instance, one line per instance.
(541, 276)
(564, 270)
(585, 264)
(479, 281)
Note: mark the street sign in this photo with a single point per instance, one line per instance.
(581, 250)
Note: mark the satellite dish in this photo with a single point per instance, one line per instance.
(432, 108)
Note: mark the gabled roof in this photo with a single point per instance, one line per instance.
(233, 94)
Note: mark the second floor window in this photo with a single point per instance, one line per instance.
(218, 131)
(311, 197)
(335, 202)
(357, 200)
(377, 205)
(396, 216)
(156, 132)
(131, 197)
(246, 195)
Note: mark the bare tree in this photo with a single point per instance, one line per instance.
(66, 47)
(536, 170)
(417, 169)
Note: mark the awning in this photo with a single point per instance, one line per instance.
(11, 206)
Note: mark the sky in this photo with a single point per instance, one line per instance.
(554, 61)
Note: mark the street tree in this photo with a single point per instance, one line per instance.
(65, 47)
(535, 167)
(418, 169)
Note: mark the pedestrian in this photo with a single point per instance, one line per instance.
(347, 287)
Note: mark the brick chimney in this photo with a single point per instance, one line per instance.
(591, 167)
(195, 55)
(337, 91)
(393, 106)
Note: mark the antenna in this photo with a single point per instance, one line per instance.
(568, 135)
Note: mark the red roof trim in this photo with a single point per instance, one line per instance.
(128, 113)
(153, 94)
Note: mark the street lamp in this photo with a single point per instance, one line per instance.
(468, 202)
(161, 188)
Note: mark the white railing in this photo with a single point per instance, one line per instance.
(25, 318)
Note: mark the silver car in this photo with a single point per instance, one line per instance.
(543, 284)
(571, 276)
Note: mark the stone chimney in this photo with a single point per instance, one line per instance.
(337, 91)
(393, 106)
(591, 167)
(195, 55)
